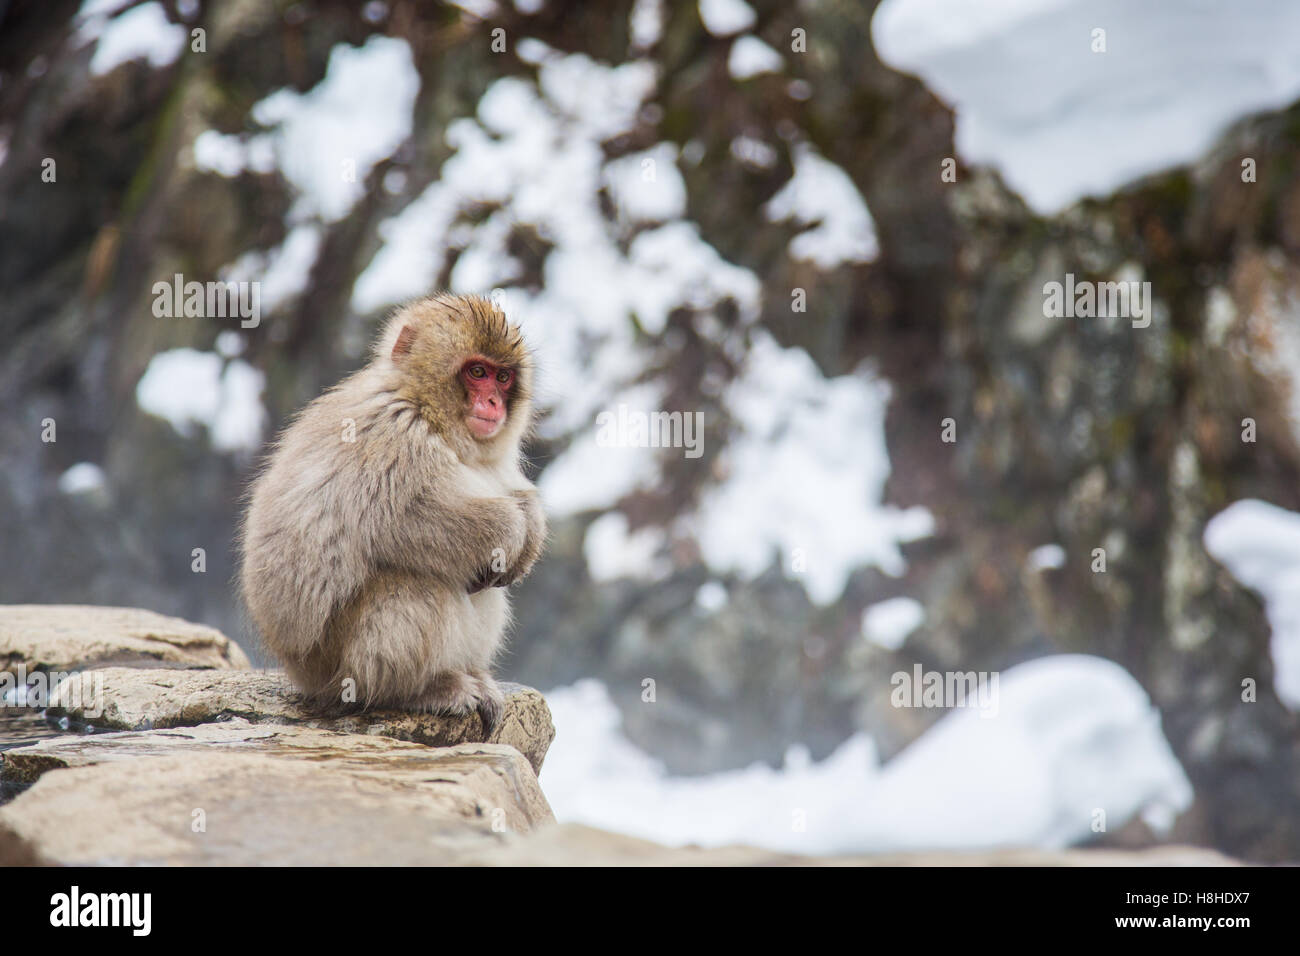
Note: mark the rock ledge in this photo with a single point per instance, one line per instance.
(122, 698)
(53, 637)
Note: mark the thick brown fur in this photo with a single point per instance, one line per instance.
(384, 560)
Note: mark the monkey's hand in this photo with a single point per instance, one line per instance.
(535, 538)
(496, 576)
(485, 579)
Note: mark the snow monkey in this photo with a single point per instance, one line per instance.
(392, 514)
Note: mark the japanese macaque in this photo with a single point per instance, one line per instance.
(393, 513)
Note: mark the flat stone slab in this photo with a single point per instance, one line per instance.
(120, 698)
(54, 637)
(240, 793)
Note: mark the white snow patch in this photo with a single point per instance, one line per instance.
(722, 18)
(753, 151)
(81, 478)
(1260, 544)
(592, 477)
(1062, 122)
(646, 24)
(283, 272)
(92, 18)
(534, 51)
(711, 596)
(888, 623)
(794, 486)
(613, 552)
(229, 155)
(821, 194)
(187, 387)
(240, 418)
(1047, 557)
(750, 57)
(141, 32)
(647, 186)
(483, 9)
(289, 267)
(327, 140)
(673, 266)
(1073, 734)
(229, 344)
(916, 27)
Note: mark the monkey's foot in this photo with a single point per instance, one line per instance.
(461, 694)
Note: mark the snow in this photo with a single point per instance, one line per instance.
(646, 24)
(534, 51)
(916, 27)
(229, 344)
(483, 9)
(81, 478)
(888, 623)
(613, 552)
(753, 151)
(187, 387)
(673, 266)
(92, 18)
(711, 596)
(141, 32)
(230, 155)
(283, 273)
(1073, 735)
(538, 155)
(724, 17)
(822, 195)
(646, 186)
(1062, 122)
(181, 386)
(327, 140)
(1260, 544)
(590, 477)
(750, 57)
(816, 494)
(357, 115)
(1047, 557)
(601, 102)
(240, 418)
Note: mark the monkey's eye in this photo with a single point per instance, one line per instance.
(504, 376)
(477, 371)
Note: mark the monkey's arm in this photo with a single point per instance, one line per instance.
(453, 537)
(500, 576)
(531, 503)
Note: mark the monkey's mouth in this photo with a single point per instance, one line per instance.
(484, 427)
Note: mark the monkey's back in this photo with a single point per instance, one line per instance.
(340, 473)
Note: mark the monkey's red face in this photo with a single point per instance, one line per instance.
(487, 388)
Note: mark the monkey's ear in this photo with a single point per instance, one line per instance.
(405, 339)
